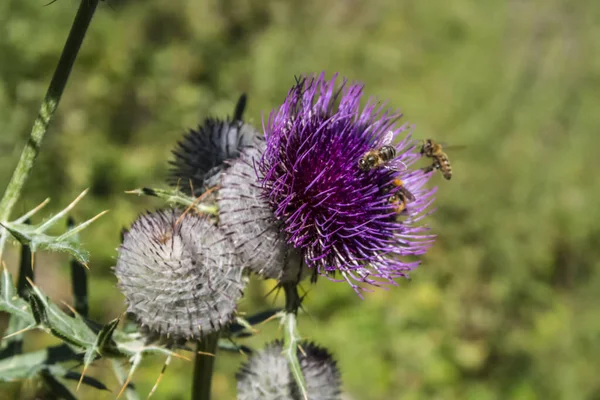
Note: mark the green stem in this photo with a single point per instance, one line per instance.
(203, 367)
(292, 337)
(46, 112)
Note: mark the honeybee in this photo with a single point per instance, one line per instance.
(382, 155)
(434, 150)
(401, 197)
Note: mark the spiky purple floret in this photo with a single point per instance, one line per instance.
(339, 216)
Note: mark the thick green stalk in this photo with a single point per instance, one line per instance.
(291, 338)
(46, 112)
(203, 367)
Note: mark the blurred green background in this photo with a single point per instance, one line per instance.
(506, 303)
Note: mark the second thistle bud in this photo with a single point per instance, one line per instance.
(178, 274)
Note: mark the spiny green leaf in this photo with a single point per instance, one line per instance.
(38, 309)
(26, 271)
(36, 238)
(10, 302)
(76, 331)
(22, 366)
(40, 241)
(105, 336)
(22, 235)
(70, 329)
(13, 304)
(25, 366)
(103, 345)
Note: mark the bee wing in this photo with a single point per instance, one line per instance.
(396, 165)
(407, 193)
(386, 139)
(446, 146)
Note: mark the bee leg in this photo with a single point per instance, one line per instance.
(428, 168)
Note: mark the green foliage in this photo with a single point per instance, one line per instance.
(505, 304)
(35, 237)
(80, 335)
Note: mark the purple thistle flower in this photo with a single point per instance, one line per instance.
(339, 216)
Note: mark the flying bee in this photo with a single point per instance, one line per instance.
(435, 151)
(401, 198)
(382, 155)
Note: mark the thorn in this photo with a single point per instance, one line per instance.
(277, 286)
(177, 355)
(85, 367)
(33, 211)
(301, 350)
(195, 202)
(124, 385)
(160, 376)
(17, 332)
(30, 282)
(89, 221)
(272, 317)
(77, 199)
(203, 353)
(69, 307)
(85, 265)
(65, 211)
(32, 261)
(134, 191)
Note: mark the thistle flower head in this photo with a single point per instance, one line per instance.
(201, 155)
(267, 374)
(178, 274)
(341, 218)
(250, 224)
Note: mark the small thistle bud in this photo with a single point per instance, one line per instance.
(248, 220)
(178, 274)
(201, 155)
(267, 375)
